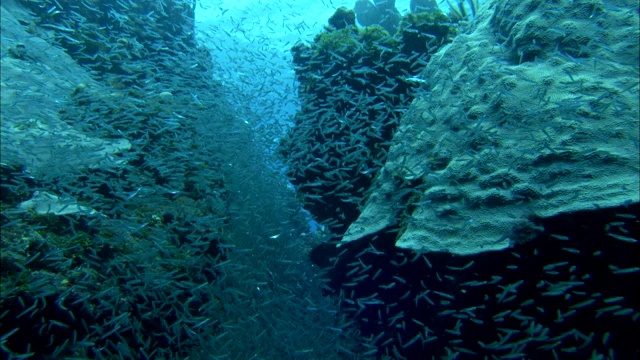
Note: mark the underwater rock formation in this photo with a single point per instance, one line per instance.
(355, 83)
(35, 137)
(518, 120)
(342, 18)
(382, 13)
(44, 203)
(366, 13)
(421, 6)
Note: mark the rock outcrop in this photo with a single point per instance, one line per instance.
(532, 113)
(35, 137)
(355, 84)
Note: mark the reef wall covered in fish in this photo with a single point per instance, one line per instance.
(569, 294)
(103, 178)
(355, 84)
